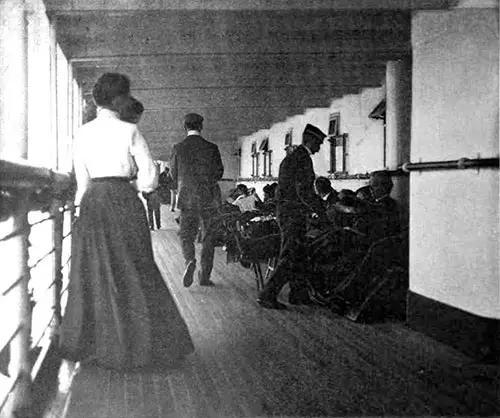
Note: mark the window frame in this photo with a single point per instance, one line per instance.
(255, 160)
(336, 142)
(266, 152)
(289, 138)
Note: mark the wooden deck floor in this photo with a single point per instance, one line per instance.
(252, 362)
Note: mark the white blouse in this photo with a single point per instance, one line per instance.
(246, 203)
(109, 147)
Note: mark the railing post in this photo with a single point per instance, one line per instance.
(20, 365)
(57, 240)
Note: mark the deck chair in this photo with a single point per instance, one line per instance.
(257, 240)
(377, 286)
(255, 251)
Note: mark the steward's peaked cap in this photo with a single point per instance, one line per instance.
(193, 119)
(314, 131)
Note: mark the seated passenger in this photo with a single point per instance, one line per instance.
(269, 203)
(270, 192)
(344, 212)
(342, 249)
(365, 194)
(324, 189)
(381, 218)
(248, 202)
(347, 197)
(239, 190)
(227, 206)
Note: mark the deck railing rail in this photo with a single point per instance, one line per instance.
(36, 217)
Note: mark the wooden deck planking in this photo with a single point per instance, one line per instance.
(305, 361)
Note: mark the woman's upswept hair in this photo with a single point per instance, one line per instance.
(108, 87)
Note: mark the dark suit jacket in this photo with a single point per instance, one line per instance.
(296, 183)
(196, 167)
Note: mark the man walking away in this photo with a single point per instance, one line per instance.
(196, 168)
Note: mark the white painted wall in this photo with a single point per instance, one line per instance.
(454, 215)
(365, 141)
(364, 147)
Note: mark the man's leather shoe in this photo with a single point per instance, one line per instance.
(271, 304)
(189, 273)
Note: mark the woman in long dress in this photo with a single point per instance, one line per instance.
(119, 312)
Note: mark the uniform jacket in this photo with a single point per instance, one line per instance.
(196, 167)
(296, 183)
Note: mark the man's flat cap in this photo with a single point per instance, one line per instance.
(314, 131)
(193, 119)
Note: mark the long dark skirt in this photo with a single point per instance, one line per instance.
(120, 312)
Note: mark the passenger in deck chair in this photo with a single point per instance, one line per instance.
(347, 245)
(269, 203)
(389, 247)
(296, 201)
(381, 215)
(328, 194)
(365, 194)
(270, 193)
(249, 201)
(239, 190)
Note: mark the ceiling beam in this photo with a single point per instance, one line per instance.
(126, 5)
(257, 72)
(241, 97)
(201, 32)
(165, 58)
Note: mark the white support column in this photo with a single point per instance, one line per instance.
(14, 145)
(398, 124)
(53, 94)
(13, 79)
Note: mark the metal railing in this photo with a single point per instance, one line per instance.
(461, 164)
(36, 216)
